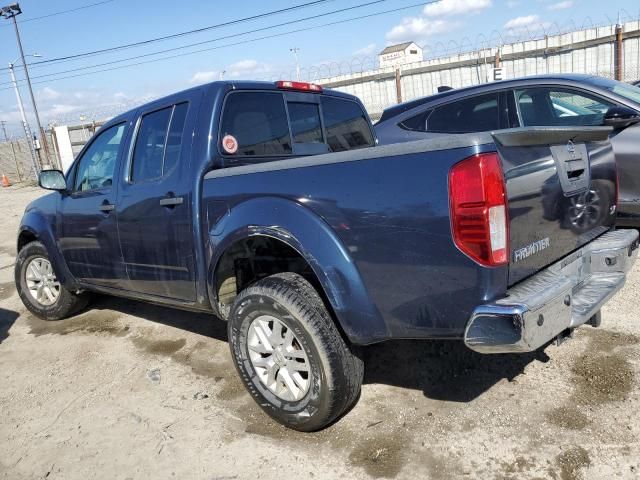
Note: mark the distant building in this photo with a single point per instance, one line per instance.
(400, 54)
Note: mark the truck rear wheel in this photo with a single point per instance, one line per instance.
(38, 287)
(290, 355)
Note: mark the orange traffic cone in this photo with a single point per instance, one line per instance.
(5, 181)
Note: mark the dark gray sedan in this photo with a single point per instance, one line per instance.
(553, 100)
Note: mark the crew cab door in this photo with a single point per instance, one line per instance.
(88, 230)
(154, 202)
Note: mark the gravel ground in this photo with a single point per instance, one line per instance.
(127, 390)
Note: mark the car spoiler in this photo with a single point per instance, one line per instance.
(530, 136)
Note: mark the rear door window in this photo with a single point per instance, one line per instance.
(475, 114)
(346, 125)
(258, 122)
(158, 143)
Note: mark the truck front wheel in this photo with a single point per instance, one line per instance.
(290, 355)
(39, 288)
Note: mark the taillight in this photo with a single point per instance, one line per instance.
(478, 205)
(299, 86)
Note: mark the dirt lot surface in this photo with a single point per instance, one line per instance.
(128, 390)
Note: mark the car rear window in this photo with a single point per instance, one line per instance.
(264, 124)
(475, 114)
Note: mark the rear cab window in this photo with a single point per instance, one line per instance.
(268, 125)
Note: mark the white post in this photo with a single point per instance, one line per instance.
(295, 51)
(25, 125)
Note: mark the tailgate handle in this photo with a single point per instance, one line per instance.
(574, 168)
(572, 163)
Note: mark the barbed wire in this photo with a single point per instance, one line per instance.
(439, 51)
(482, 45)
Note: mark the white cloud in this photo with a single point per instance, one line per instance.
(431, 21)
(121, 97)
(561, 5)
(513, 3)
(417, 29)
(204, 77)
(247, 68)
(368, 50)
(455, 7)
(48, 93)
(519, 23)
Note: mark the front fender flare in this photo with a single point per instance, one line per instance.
(37, 225)
(308, 234)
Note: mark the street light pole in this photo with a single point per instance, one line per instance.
(25, 125)
(295, 51)
(10, 12)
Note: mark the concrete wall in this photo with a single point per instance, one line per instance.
(15, 160)
(590, 51)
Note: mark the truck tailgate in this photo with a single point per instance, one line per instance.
(561, 191)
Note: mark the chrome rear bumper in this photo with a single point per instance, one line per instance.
(561, 297)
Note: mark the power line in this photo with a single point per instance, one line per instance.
(71, 10)
(266, 37)
(225, 37)
(181, 34)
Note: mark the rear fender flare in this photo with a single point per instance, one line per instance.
(308, 234)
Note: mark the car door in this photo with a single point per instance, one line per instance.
(88, 227)
(154, 202)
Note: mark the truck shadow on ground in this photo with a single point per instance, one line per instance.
(443, 370)
(7, 319)
(204, 324)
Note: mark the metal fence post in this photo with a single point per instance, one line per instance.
(617, 57)
(398, 86)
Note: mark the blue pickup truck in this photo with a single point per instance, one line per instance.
(270, 206)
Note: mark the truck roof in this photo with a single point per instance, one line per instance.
(226, 85)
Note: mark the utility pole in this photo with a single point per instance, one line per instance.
(25, 125)
(10, 12)
(295, 51)
(13, 150)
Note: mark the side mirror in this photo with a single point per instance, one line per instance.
(52, 180)
(620, 117)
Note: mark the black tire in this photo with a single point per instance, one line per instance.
(67, 302)
(335, 370)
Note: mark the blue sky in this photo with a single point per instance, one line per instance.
(446, 24)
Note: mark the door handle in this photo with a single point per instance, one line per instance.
(107, 207)
(171, 201)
